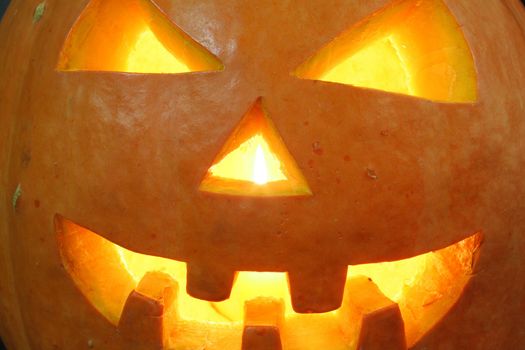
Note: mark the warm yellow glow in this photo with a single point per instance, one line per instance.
(425, 288)
(149, 54)
(252, 161)
(251, 285)
(379, 65)
(248, 285)
(137, 265)
(393, 277)
(412, 47)
(131, 36)
(260, 170)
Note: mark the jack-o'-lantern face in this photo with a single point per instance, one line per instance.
(265, 175)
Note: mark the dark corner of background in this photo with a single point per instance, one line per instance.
(3, 7)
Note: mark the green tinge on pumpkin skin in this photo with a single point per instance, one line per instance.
(39, 12)
(16, 195)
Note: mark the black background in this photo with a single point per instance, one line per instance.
(3, 7)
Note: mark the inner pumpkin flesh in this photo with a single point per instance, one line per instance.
(424, 287)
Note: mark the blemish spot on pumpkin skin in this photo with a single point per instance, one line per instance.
(311, 164)
(39, 12)
(316, 148)
(16, 195)
(371, 173)
(25, 159)
(37, 203)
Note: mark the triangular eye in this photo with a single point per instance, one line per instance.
(131, 36)
(412, 47)
(255, 162)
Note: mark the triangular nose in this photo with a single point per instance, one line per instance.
(254, 161)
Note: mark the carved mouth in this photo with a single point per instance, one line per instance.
(144, 296)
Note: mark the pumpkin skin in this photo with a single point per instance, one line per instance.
(124, 155)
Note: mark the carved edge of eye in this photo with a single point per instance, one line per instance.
(410, 47)
(132, 37)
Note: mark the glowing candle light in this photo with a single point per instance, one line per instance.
(260, 171)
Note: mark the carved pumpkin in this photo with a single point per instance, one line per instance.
(292, 175)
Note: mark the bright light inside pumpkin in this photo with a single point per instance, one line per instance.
(380, 64)
(411, 47)
(248, 285)
(260, 170)
(254, 161)
(148, 52)
(424, 287)
(132, 36)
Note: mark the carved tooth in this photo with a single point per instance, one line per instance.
(318, 289)
(209, 281)
(150, 312)
(383, 329)
(263, 318)
(261, 338)
(382, 326)
(264, 311)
